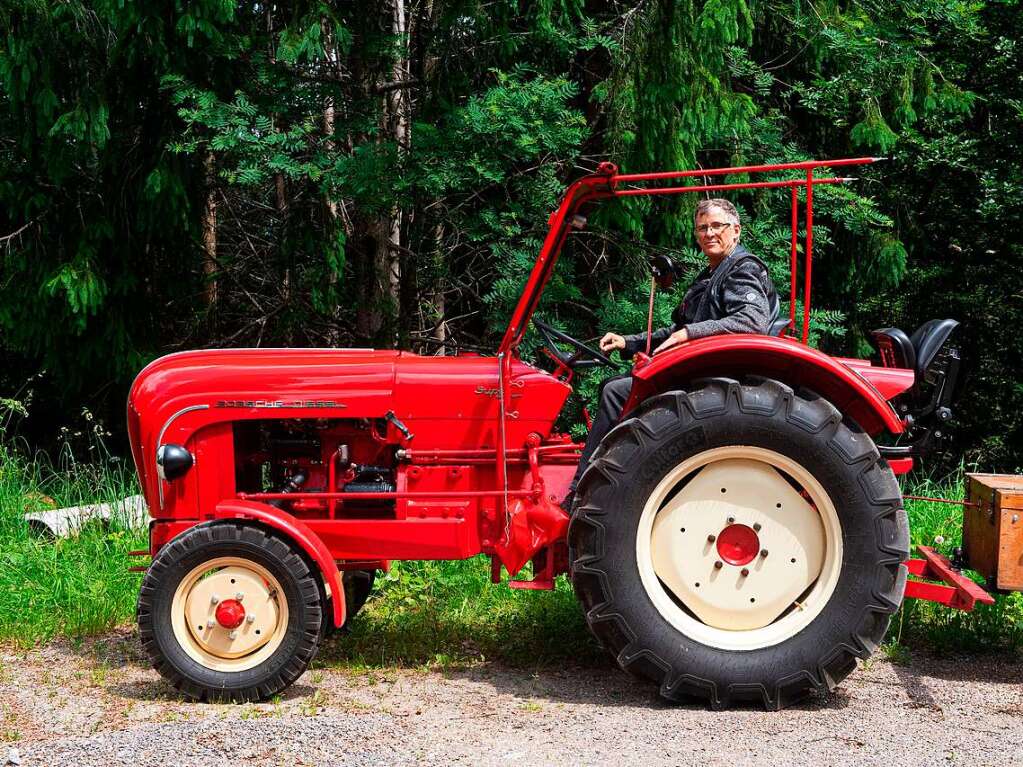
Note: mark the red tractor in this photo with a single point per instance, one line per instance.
(739, 535)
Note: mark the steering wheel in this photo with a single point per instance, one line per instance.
(584, 357)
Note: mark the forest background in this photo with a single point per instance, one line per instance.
(211, 173)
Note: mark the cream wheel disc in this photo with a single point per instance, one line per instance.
(229, 614)
(739, 547)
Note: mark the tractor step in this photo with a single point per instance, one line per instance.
(956, 591)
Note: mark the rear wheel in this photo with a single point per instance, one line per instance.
(228, 611)
(739, 543)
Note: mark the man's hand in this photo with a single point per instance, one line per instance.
(610, 342)
(676, 338)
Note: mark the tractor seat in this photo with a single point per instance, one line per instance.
(927, 341)
(897, 350)
(915, 352)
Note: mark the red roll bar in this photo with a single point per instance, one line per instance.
(606, 183)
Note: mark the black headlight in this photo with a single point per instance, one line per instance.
(173, 461)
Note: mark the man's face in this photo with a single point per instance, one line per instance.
(715, 234)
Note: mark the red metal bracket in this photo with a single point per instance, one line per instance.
(545, 567)
(961, 593)
(365, 564)
(563, 372)
(900, 465)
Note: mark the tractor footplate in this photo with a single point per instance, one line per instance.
(960, 592)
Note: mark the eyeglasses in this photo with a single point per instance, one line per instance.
(713, 228)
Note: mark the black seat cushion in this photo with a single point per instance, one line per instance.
(927, 341)
(897, 350)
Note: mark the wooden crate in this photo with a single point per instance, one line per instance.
(993, 529)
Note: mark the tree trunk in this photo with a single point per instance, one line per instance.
(440, 328)
(330, 206)
(209, 235)
(388, 231)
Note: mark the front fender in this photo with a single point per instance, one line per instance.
(782, 359)
(297, 531)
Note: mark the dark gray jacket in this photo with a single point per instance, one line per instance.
(736, 297)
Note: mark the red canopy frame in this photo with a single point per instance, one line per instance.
(608, 182)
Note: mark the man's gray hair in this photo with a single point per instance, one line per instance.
(704, 206)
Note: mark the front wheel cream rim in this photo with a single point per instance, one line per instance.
(233, 639)
(739, 547)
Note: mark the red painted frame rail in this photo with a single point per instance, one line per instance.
(956, 591)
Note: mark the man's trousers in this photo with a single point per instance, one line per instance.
(614, 393)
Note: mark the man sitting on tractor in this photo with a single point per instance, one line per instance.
(732, 294)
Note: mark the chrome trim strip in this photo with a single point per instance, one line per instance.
(159, 442)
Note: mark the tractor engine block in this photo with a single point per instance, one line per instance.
(317, 455)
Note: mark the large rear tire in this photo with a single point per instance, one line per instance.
(739, 542)
(229, 611)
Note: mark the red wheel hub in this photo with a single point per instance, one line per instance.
(738, 544)
(230, 613)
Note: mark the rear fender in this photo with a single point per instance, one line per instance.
(782, 359)
(297, 531)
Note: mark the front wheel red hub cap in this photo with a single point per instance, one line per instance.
(230, 613)
(738, 544)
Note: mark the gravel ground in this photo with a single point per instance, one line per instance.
(98, 703)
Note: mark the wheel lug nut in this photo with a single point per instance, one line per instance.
(239, 596)
(233, 635)
(711, 538)
(214, 599)
(763, 552)
(210, 623)
(718, 565)
(756, 526)
(745, 572)
(250, 618)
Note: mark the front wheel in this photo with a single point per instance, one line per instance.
(739, 542)
(229, 611)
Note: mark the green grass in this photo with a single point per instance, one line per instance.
(71, 587)
(449, 613)
(421, 613)
(925, 624)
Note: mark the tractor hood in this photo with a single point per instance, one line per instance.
(278, 378)
(177, 394)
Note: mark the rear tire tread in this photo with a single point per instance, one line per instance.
(709, 398)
